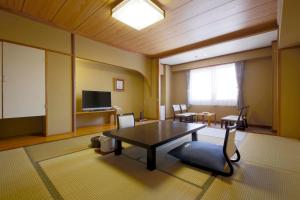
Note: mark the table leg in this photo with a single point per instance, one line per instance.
(215, 119)
(194, 136)
(208, 120)
(151, 159)
(118, 147)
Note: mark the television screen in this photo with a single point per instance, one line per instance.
(95, 100)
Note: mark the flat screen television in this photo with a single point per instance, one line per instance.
(95, 100)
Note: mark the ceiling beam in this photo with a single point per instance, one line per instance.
(250, 31)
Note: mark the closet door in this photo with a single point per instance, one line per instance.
(0, 80)
(23, 81)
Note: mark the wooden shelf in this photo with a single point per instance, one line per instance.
(94, 112)
(94, 129)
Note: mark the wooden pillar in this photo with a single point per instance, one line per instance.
(73, 66)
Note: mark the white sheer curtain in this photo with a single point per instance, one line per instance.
(213, 86)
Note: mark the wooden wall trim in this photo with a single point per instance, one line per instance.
(279, 132)
(157, 89)
(96, 61)
(73, 68)
(254, 30)
(290, 47)
(279, 93)
(181, 67)
(46, 95)
(2, 79)
(34, 46)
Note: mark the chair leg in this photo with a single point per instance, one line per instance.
(238, 156)
(226, 124)
(230, 172)
(231, 169)
(246, 123)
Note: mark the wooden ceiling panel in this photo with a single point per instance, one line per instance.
(98, 21)
(214, 28)
(45, 10)
(187, 22)
(75, 12)
(174, 17)
(172, 4)
(224, 28)
(12, 4)
(200, 23)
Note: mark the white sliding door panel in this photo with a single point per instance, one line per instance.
(24, 81)
(0, 80)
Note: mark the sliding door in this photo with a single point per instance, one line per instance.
(24, 81)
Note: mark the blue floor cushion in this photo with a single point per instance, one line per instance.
(201, 154)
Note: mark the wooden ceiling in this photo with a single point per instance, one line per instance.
(187, 22)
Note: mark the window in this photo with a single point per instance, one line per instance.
(213, 86)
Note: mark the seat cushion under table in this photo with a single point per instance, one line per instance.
(200, 154)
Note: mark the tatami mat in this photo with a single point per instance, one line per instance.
(53, 149)
(218, 132)
(173, 166)
(19, 179)
(176, 168)
(253, 182)
(86, 175)
(269, 169)
(272, 151)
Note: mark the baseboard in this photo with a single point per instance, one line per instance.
(261, 126)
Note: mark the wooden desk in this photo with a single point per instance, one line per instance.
(150, 136)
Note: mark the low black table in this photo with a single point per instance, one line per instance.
(152, 135)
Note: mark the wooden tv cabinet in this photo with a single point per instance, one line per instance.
(89, 122)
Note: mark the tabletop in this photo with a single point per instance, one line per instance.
(154, 134)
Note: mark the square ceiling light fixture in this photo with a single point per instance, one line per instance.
(138, 14)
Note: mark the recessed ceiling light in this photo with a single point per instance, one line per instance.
(138, 14)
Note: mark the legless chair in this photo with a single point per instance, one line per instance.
(211, 157)
(240, 120)
(183, 117)
(184, 110)
(125, 120)
(176, 111)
